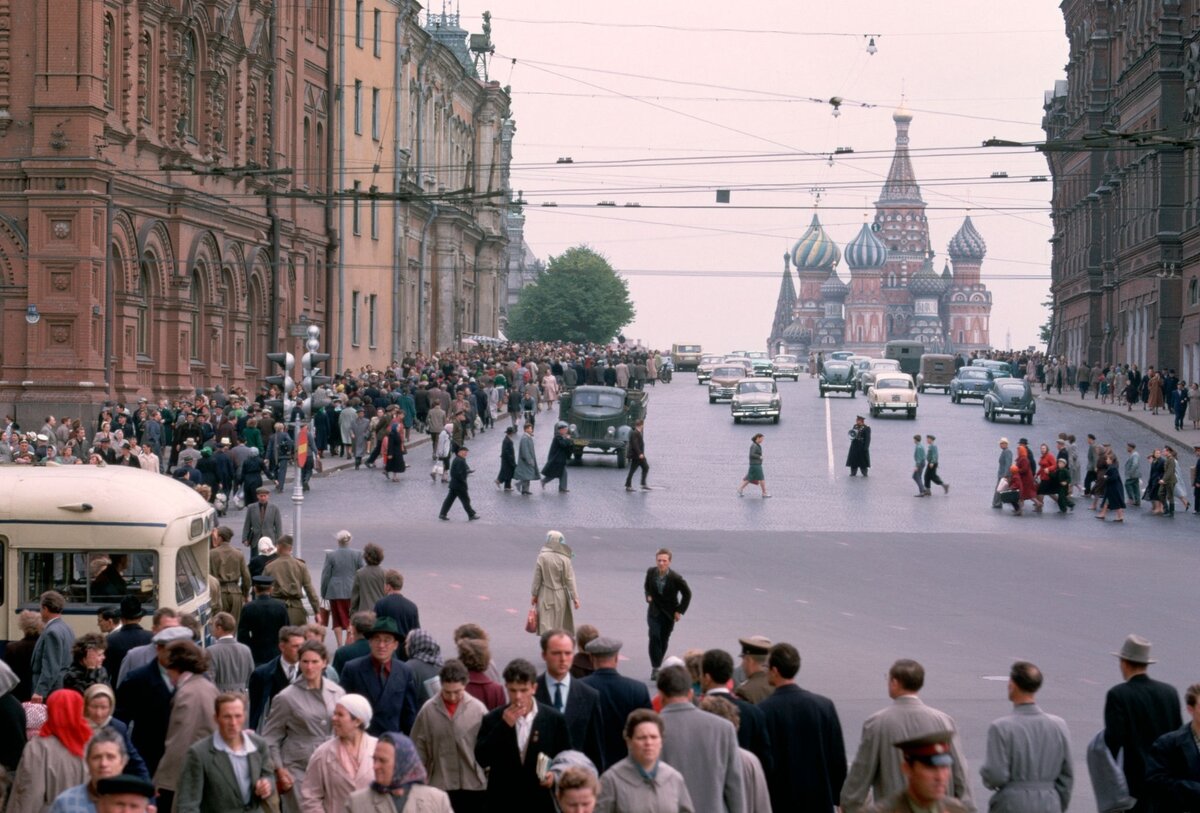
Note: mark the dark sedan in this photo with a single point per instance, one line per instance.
(970, 382)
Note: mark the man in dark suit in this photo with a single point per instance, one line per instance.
(144, 704)
(809, 754)
(619, 695)
(1173, 763)
(261, 621)
(635, 450)
(1136, 713)
(458, 486)
(385, 680)
(513, 737)
(397, 607)
(668, 595)
(275, 675)
(577, 702)
(357, 646)
(716, 673)
(131, 633)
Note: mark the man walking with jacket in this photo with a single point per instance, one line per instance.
(458, 486)
(636, 450)
(668, 595)
(1004, 464)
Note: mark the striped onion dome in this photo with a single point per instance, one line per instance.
(796, 331)
(814, 250)
(834, 288)
(926, 282)
(866, 250)
(967, 244)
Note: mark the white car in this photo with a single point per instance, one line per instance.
(756, 398)
(893, 391)
(786, 366)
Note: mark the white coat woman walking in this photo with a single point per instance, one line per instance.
(554, 592)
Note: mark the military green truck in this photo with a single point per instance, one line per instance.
(601, 418)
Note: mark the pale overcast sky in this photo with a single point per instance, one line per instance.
(661, 103)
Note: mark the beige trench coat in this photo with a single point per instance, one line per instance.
(447, 746)
(554, 588)
(46, 769)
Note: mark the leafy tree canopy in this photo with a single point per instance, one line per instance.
(579, 298)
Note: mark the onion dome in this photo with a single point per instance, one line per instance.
(901, 113)
(926, 282)
(866, 250)
(814, 250)
(796, 332)
(967, 244)
(834, 288)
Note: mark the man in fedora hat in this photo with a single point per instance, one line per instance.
(385, 680)
(131, 633)
(1136, 713)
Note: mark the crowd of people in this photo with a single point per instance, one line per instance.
(257, 710)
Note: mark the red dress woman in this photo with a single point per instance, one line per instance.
(1025, 470)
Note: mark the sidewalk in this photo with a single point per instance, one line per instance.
(1162, 424)
(332, 465)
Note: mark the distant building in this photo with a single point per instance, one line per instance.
(894, 291)
(1121, 132)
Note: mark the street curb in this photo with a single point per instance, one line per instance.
(343, 464)
(1129, 416)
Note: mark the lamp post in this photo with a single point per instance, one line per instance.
(312, 382)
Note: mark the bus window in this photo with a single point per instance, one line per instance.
(190, 579)
(89, 578)
(3, 567)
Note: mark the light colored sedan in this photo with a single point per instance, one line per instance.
(707, 364)
(786, 366)
(756, 398)
(893, 391)
(875, 367)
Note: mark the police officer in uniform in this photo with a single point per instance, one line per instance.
(926, 768)
(261, 621)
(859, 456)
(229, 568)
(756, 687)
(292, 582)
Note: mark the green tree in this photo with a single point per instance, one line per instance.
(1047, 328)
(578, 298)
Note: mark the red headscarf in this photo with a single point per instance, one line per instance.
(64, 719)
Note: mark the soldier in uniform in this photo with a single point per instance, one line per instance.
(261, 621)
(926, 768)
(756, 687)
(859, 456)
(228, 567)
(292, 582)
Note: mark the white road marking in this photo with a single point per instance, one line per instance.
(997, 678)
(829, 438)
(801, 601)
(894, 627)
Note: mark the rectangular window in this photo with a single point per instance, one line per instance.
(371, 320)
(358, 103)
(375, 113)
(89, 577)
(354, 225)
(354, 318)
(378, 32)
(374, 214)
(358, 23)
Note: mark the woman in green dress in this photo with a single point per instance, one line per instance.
(755, 473)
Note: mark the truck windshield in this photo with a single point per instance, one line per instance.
(610, 400)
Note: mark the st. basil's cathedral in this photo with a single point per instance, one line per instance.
(894, 292)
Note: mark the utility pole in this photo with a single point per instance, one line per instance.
(313, 384)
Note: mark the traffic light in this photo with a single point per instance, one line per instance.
(312, 379)
(282, 406)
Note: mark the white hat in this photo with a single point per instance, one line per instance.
(266, 547)
(358, 707)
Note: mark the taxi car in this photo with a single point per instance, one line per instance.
(836, 376)
(970, 382)
(756, 398)
(723, 382)
(1009, 397)
(893, 391)
(707, 364)
(786, 366)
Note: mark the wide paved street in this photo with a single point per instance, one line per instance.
(855, 572)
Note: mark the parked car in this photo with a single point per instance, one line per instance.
(786, 367)
(761, 365)
(723, 382)
(970, 382)
(1009, 397)
(866, 378)
(756, 398)
(893, 391)
(601, 418)
(837, 376)
(707, 364)
(937, 371)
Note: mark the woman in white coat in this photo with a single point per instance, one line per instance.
(554, 590)
(342, 765)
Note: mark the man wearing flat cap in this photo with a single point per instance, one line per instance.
(123, 794)
(1136, 713)
(262, 518)
(926, 766)
(619, 696)
(756, 687)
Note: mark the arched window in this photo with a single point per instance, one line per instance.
(251, 343)
(197, 314)
(109, 59)
(228, 305)
(144, 295)
(145, 84)
(319, 159)
(1193, 292)
(307, 170)
(187, 88)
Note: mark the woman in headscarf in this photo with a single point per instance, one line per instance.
(554, 590)
(424, 659)
(98, 704)
(393, 451)
(399, 780)
(340, 765)
(53, 761)
(301, 719)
